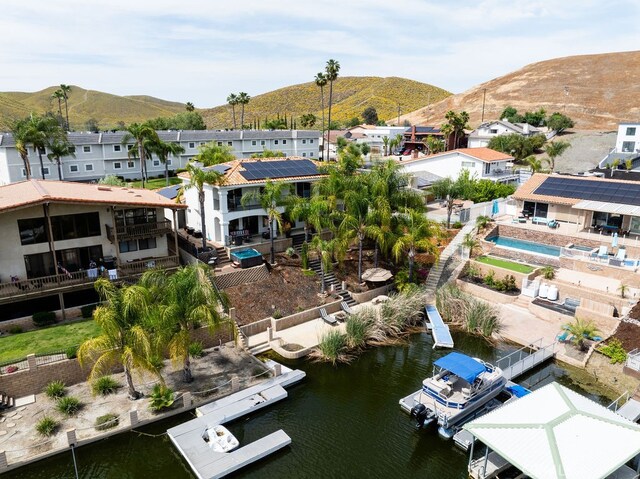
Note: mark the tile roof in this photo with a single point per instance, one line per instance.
(34, 192)
(483, 154)
(234, 173)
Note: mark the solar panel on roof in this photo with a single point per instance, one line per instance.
(577, 188)
(278, 169)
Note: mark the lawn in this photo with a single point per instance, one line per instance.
(502, 263)
(155, 183)
(45, 340)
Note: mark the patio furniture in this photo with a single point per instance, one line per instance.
(113, 274)
(346, 308)
(327, 318)
(538, 220)
(553, 224)
(621, 254)
(563, 337)
(603, 252)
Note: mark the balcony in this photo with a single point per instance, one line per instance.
(232, 206)
(133, 268)
(142, 230)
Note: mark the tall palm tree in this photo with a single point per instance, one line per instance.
(323, 250)
(321, 81)
(59, 148)
(312, 211)
(189, 106)
(415, 233)
(232, 100)
(555, 149)
(40, 132)
(186, 299)
(446, 129)
(458, 122)
(143, 135)
(123, 340)
(385, 142)
(380, 227)
(356, 213)
(66, 89)
(163, 150)
(536, 165)
(243, 99)
(199, 178)
(19, 133)
(271, 199)
(331, 73)
(58, 95)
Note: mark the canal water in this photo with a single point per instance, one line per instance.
(344, 422)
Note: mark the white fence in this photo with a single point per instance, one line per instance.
(633, 360)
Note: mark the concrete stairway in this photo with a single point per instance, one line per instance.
(223, 257)
(436, 272)
(330, 281)
(297, 241)
(6, 401)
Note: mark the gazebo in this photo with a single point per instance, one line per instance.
(556, 433)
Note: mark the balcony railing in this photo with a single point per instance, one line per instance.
(36, 286)
(240, 207)
(142, 230)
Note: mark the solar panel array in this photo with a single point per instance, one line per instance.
(221, 168)
(261, 170)
(605, 191)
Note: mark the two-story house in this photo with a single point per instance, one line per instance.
(225, 215)
(101, 154)
(58, 237)
(482, 163)
(482, 135)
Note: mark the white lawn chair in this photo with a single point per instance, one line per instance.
(328, 318)
(113, 274)
(621, 254)
(602, 252)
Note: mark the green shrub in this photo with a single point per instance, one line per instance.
(332, 347)
(105, 385)
(162, 397)
(614, 350)
(47, 426)
(15, 330)
(276, 314)
(55, 390)
(44, 318)
(107, 421)
(196, 349)
(87, 311)
(71, 352)
(457, 225)
(489, 279)
(548, 272)
(68, 405)
(290, 252)
(509, 283)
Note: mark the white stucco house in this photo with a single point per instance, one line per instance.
(482, 163)
(482, 135)
(627, 146)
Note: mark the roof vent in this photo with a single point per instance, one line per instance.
(104, 188)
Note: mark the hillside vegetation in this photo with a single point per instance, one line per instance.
(351, 95)
(84, 104)
(596, 91)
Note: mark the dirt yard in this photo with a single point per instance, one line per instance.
(629, 335)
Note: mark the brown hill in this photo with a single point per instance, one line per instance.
(597, 91)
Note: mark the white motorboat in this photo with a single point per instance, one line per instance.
(220, 439)
(460, 386)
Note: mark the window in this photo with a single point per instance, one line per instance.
(117, 165)
(304, 142)
(284, 142)
(117, 147)
(24, 173)
(468, 164)
(202, 143)
(81, 225)
(487, 168)
(311, 141)
(254, 142)
(219, 143)
(262, 142)
(88, 167)
(127, 246)
(631, 131)
(86, 149)
(192, 145)
(32, 231)
(275, 142)
(73, 168)
(311, 154)
(147, 243)
(45, 170)
(131, 164)
(156, 162)
(136, 216)
(628, 146)
(304, 154)
(229, 143)
(493, 131)
(129, 147)
(303, 190)
(169, 162)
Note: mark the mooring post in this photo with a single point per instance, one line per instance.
(71, 437)
(133, 417)
(186, 400)
(277, 370)
(3, 460)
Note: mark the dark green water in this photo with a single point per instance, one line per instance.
(344, 422)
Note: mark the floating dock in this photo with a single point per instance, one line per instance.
(209, 464)
(439, 330)
(630, 410)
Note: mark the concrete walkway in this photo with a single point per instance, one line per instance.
(521, 326)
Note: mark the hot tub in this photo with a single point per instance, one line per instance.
(247, 258)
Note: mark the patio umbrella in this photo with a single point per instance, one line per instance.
(377, 275)
(614, 240)
(495, 209)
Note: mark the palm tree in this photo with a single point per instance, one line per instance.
(448, 190)
(58, 95)
(385, 142)
(19, 133)
(144, 136)
(232, 100)
(458, 123)
(197, 179)
(331, 74)
(470, 243)
(324, 250)
(243, 99)
(66, 89)
(415, 233)
(189, 106)
(321, 81)
(446, 130)
(122, 340)
(536, 165)
(380, 227)
(165, 149)
(580, 330)
(271, 199)
(312, 211)
(356, 213)
(40, 132)
(186, 299)
(59, 148)
(555, 149)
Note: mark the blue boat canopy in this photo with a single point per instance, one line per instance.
(518, 391)
(461, 365)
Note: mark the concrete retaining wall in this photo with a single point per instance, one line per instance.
(277, 347)
(485, 293)
(549, 314)
(256, 327)
(304, 316)
(626, 275)
(373, 293)
(501, 273)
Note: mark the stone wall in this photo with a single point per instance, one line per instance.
(256, 327)
(556, 239)
(626, 275)
(373, 293)
(304, 316)
(242, 276)
(485, 293)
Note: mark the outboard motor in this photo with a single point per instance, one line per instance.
(420, 412)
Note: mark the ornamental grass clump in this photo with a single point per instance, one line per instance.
(55, 389)
(47, 426)
(472, 315)
(357, 328)
(107, 421)
(332, 348)
(68, 405)
(105, 385)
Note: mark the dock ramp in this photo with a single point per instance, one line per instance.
(439, 330)
(525, 358)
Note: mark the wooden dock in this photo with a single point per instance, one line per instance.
(439, 330)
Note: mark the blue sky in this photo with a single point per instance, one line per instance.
(201, 51)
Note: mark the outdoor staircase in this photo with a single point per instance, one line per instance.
(296, 242)
(6, 401)
(523, 301)
(331, 282)
(436, 271)
(223, 257)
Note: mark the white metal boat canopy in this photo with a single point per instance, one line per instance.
(557, 433)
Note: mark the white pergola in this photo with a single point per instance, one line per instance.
(556, 433)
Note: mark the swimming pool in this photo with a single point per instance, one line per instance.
(529, 246)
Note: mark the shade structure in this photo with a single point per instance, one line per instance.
(614, 240)
(377, 275)
(461, 365)
(556, 433)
